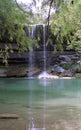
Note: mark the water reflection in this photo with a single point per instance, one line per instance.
(44, 104)
(32, 120)
(60, 101)
(45, 82)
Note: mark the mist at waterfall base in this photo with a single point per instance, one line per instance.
(50, 104)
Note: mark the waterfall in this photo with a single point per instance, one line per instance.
(32, 32)
(44, 47)
(31, 52)
(44, 74)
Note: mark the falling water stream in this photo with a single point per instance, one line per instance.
(44, 74)
(31, 52)
(44, 47)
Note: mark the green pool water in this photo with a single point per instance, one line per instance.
(41, 104)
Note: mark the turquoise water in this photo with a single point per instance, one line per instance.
(45, 104)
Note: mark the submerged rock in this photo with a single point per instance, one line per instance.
(9, 116)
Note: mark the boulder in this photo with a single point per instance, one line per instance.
(67, 73)
(59, 69)
(65, 58)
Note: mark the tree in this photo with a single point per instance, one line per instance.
(12, 22)
(66, 25)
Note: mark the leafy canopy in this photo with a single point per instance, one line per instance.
(12, 22)
(66, 25)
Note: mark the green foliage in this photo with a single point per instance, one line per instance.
(67, 66)
(12, 22)
(78, 75)
(77, 68)
(66, 25)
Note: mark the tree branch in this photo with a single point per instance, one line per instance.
(30, 13)
(49, 11)
(20, 7)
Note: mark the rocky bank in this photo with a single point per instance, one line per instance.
(66, 64)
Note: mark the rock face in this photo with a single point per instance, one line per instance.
(59, 69)
(65, 58)
(57, 64)
(3, 72)
(40, 32)
(61, 64)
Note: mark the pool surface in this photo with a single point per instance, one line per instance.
(41, 104)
